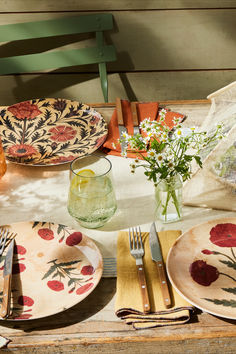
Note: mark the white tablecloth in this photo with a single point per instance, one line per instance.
(40, 194)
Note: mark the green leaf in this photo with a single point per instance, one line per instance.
(68, 270)
(230, 290)
(50, 271)
(35, 224)
(71, 281)
(198, 160)
(60, 228)
(229, 264)
(61, 274)
(227, 303)
(64, 264)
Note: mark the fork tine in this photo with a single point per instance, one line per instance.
(140, 237)
(3, 238)
(130, 244)
(134, 240)
(137, 239)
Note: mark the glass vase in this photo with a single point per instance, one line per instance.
(168, 195)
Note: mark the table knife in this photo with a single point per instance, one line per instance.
(7, 274)
(135, 117)
(121, 125)
(157, 257)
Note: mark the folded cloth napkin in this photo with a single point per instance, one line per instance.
(144, 110)
(129, 301)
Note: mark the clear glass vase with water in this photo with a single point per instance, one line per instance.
(168, 195)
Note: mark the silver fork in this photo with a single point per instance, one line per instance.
(137, 251)
(4, 235)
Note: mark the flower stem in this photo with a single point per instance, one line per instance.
(176, 203)
(232, 251)
(229, 276)
(171, 194)
(225, 255)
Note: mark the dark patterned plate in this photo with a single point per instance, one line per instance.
(50, 131)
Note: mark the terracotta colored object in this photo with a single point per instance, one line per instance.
(54, 268)
(202, 266)
(50, 131)
(3, 165)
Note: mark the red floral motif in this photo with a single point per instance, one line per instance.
(207, 252)
(23, 316)
(74, 239)
(18, 268)
(18, 249)
(21, 150)
(24, 110)
(63, 159)
(62, 133)
(55, 285)
(25, 301)
(1, 268)
(224, 235)
(84, 288)
(203, 273)
(46, 234)
(94, 120)
(87, 270)
(100, 141)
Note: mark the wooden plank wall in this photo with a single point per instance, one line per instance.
(167, 50)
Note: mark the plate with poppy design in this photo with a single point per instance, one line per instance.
(201, 266)
(54, 268)
(50, 131)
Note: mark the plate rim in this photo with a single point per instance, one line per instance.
(171, 279)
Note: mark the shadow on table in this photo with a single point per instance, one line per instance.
(91, 305)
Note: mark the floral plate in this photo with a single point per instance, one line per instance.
(50, 131)
(54, 268)
(205, 274)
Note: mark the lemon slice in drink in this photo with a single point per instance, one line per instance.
(80, 179)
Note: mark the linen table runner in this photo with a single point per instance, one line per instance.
(129, 302)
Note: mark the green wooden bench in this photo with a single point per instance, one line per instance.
(99, 54)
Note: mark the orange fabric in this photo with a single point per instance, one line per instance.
(144, 110)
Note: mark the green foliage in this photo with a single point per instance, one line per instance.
(166, 152)
(227, 303)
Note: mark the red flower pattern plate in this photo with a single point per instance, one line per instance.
(50, 131)
(201, 266)
(54, 268)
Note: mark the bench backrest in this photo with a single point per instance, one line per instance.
(99, 54)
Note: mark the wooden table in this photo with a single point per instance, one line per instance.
(91, 326)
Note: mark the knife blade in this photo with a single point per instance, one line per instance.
(7, 275)
(121, 126)
(157, 257)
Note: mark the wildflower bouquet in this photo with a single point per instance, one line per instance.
(167, 153)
